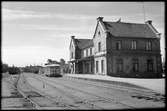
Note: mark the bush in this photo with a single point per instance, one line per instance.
(4, 68)
(36, 71)
(14, 70)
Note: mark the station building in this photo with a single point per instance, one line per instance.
(118, 49)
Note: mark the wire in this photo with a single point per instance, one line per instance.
(144, 12)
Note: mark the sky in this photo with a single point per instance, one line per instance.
(33, 32)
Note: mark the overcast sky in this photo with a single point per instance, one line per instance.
(33, 32)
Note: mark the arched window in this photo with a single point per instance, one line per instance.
(99, 46)
(102, 66)
(135, 65)
(72, 56)
(97, 65)
(119, 63)
(99, 33)
(149, 65)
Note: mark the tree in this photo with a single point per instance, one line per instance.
(31, 69)
(62, 65)
(62, 61)
(49, 60)
(4, 68)
(14, 70)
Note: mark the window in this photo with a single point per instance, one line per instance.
(119, 65)
(118, 45)
(133, 45)
(97, 65)
(148, 45)
(86, 52)
(149, 65)
(102, 66)
(99, 46)
(87, 67)
(92, 66)
(135, 65)
(90, 51)
(99, 33)
(72, 56)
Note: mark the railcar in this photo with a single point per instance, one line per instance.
(52, 70)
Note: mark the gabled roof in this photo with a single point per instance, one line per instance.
(83, 43)
(121, 29)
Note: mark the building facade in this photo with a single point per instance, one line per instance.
(125, 49)
(81, 55)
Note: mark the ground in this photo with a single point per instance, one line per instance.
(72, 93)
(11, 98)
(157, 85)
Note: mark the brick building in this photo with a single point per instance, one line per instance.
(119, 49)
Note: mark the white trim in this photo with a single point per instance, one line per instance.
(102, 27)
(155, 31)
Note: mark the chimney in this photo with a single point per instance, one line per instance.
(72, 37)
(100, 19)
(149, 22)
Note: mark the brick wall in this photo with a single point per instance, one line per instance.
(126, 54)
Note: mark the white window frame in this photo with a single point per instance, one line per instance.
(134, 44)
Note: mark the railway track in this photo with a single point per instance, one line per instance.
(89, 103)
(39, 99)
(137, 91)
(77, 100)
(67, 91)
(64, 105)
(15, 100)
(23, 93)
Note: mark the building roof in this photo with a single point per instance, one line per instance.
(84, 43)
(51, 62)
(122, 29)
